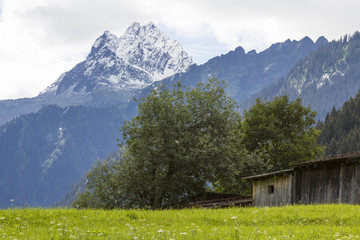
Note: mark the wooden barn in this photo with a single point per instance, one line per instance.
(335, 179)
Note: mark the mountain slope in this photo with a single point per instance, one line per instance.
(324, 79)
(42, 154)
(248, 73)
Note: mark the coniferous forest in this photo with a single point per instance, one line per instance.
(340, 131)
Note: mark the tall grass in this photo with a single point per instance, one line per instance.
(290, 222)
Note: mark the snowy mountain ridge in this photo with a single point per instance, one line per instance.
(135, 60)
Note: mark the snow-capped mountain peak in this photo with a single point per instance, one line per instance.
(141, 56)
(107, 39)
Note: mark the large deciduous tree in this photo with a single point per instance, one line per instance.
(283, 129)
(179, 142)
(183, 142)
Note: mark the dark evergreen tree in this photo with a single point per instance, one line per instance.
(340, 131)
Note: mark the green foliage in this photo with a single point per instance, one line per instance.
(101, 187)
(181, 141)
(290, 222)
(185, 142)
(282, 129)
(340, 132)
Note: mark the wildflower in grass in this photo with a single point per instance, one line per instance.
(183, 233)
(161, 230)
(233, 217)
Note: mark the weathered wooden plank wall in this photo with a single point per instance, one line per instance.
(335, 183)
(282, 194)
(320, 185)
(334, 179)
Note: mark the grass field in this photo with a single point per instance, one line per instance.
(291, 222)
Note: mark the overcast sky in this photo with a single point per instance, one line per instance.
(40, 39)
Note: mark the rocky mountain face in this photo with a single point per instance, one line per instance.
(115, 69)
(325, 78)
(141, 56)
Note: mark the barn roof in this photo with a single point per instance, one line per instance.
(340, 158)
(272, 174)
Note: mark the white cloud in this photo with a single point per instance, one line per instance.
(40, 39)
(1, 7)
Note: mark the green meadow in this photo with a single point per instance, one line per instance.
(290, 222)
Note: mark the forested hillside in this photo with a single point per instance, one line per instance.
(341, 128)
(325, 78)
(42, 154)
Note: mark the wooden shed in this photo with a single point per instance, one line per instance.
(272, 189)
(335, 179)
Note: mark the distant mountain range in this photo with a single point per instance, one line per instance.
(325, 78)
(48, 142)
(249, 73)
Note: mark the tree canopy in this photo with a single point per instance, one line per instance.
(340, 132)
(185, 142)
(283, 129)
